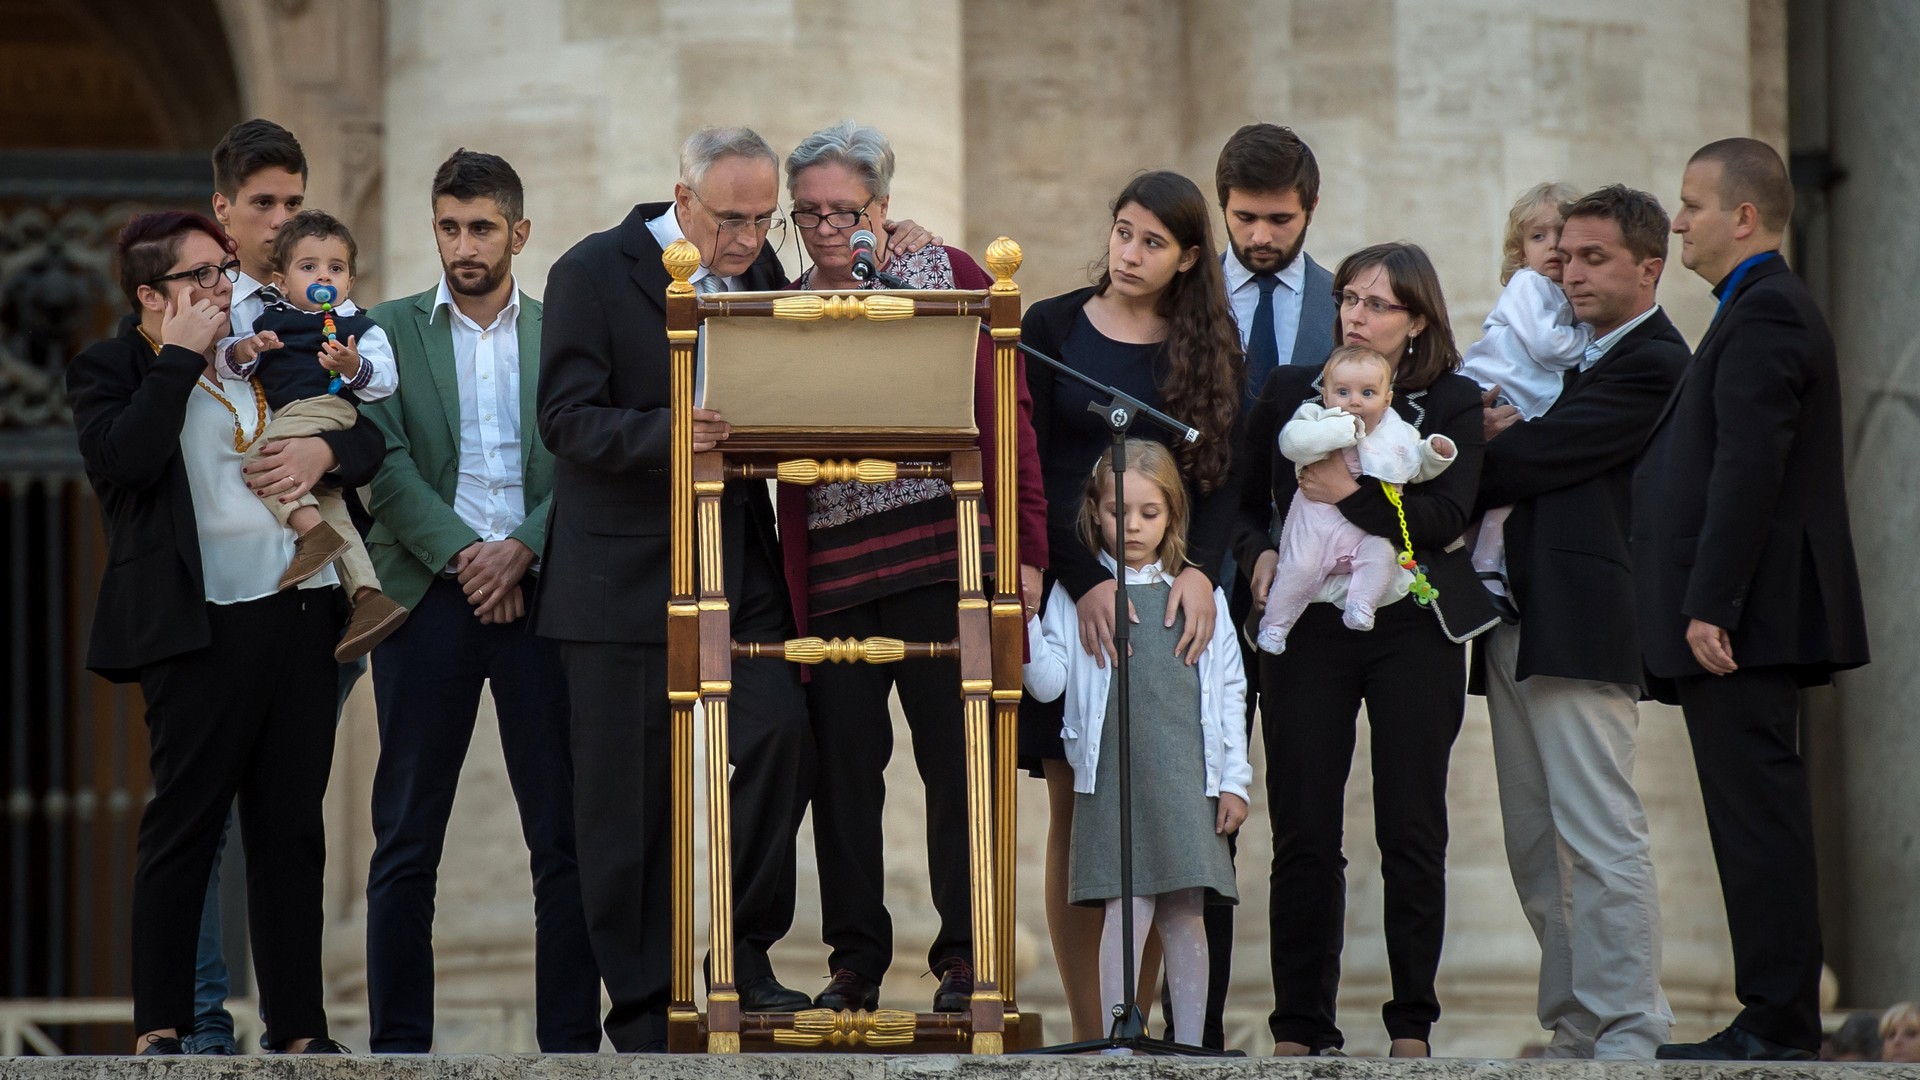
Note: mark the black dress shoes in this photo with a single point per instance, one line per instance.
(162, 1045)
(1732, 1044)
(766, 995)
(956, 988)
(324, 1045)
(849, 991)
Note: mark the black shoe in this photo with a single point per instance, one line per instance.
(162, 1045)
(956, 988)
(849, 991)
(1732, 1044)
(766, 995)
(324, 1045)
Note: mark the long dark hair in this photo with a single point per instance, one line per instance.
(1415, 283)
(1206, 373)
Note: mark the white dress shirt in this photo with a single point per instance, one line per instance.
(243, 547)
(1244, 295)
(666, 229)
(245, 306)
(1600, 346)
(490, 493)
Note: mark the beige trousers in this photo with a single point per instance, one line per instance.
(299, 419)
(1577, 844)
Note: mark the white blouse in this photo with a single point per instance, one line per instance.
(243, 547)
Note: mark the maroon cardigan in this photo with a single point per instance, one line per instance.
(792, 499)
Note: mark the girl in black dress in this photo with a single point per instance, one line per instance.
(1156, 325)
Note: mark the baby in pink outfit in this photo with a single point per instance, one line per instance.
(1323, 556)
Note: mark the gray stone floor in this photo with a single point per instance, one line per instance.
(875, 1067)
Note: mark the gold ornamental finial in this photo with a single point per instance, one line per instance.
(681, 259)
(1003, 258)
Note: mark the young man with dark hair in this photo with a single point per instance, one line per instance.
(460, 513)
(1746, 582)
(1563, 682)
(259, 182)
(1268, 183)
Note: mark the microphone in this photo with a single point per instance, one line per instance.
(862, 243)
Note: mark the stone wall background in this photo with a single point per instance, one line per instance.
(1023, 118)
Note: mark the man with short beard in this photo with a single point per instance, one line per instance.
(460, 511)
(1269, 185)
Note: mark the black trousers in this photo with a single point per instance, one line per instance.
(1413, 682)
(622, 787)
(426, 681)
(1744, 728)
(854, 732)
(249, 716)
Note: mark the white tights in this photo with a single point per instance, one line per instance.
(1183, 942)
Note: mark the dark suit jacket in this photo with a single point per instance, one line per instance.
(1436, 511)
(604, 413)
(416, 531)
(1569, 477)
(1740, 504)
(129, 404)
(1319, 318)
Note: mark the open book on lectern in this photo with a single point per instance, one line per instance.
(872, 372)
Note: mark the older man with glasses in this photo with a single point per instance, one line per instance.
(604, 411)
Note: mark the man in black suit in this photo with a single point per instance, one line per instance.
(1745, 580)
(605, 414)
(1563, 683)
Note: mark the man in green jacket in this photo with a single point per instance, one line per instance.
(460, 517)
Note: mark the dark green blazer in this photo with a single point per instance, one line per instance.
(415, 530)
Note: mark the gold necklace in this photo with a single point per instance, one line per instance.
(241, 444)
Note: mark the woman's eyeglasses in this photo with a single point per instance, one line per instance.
(1374, 305)
(838, 219)
(204, 276)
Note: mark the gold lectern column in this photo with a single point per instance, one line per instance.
(1003, 300)
(681, 260)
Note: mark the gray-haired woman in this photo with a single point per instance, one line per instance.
(868, 560)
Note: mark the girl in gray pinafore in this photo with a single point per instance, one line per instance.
(1190, 771)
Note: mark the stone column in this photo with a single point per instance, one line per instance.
(1875, 258)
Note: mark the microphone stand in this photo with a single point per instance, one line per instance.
(1119, 410)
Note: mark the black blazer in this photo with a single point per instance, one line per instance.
(1740, 503)
(1437, 511)
(605, 414)
(129, 404)
(1569, 477)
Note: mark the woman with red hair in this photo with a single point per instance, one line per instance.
(238, 675)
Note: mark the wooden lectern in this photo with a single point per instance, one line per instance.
(804, 380)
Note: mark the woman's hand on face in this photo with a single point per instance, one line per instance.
(1096, 622)
(1327, 480)
(1233, 813)
(1192, 595)
(1262, 581)
(288, 468)
(193, 327)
